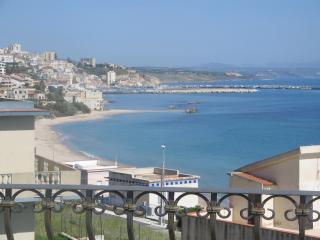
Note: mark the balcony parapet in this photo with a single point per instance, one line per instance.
(88, 201)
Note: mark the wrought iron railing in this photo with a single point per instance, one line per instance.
(89, 202)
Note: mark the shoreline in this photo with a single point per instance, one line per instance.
(50, 144)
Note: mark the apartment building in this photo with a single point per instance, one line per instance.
(111, 77)
(88, 62)
(49, 56)
(91, 98)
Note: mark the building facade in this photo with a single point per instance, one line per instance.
(20, 164)
(298, 169)
(93, 99)
(88, 62)
(111, 77)
(49, 56)
(2, 68)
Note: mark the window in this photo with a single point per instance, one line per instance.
(171, 183)
(194, 181)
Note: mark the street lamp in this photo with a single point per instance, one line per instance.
(163, 147)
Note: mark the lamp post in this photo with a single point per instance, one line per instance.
(163, 147)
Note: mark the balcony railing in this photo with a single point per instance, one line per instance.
(5, 178)
(48, 177)
(89, 202)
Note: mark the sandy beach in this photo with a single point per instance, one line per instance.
(49, 143)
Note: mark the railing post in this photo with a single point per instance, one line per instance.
(302, 218)
(129, 210)
(89, 200)
(7, 215)
(256, 212)
(171, 224)
(47, 214)
(213, 216)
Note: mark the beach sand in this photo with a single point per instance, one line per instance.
(49, 143)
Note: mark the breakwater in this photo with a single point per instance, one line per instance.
(182, 90)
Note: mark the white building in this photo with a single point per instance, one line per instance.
(6, 58)
(111, 77)
(151, 177)
(2, 68)
(49, 56)
(93, 172)
(15, 48)
(25, 94)
(298, 169)
(88, 62)
(93, 99)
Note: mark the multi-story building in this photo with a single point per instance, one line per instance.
(93, 99)
(15, 48)
(298, 169)
(20, 165)
(49, 56)
(111, 77)
(7, 58)
(154, 177)
(21, 93)
(88, 62)
(2, 68)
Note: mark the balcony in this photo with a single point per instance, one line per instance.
(206, 221)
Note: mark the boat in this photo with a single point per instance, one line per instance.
(191, 110)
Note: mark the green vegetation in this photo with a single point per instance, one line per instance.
(59, 106)
(100, 69)
(112, 227)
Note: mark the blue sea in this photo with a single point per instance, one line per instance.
(227, 132)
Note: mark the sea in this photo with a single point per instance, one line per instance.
(227, 131)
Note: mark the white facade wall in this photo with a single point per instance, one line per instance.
(111, 77)
(17, 144)
(2, 68)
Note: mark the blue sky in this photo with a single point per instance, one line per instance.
(167, 32)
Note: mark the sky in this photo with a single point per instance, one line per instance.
(167, 32)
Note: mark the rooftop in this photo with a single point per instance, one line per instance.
(19, 108)
(253, 178)
(151, 174)
(302, 152)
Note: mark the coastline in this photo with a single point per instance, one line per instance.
(50, 144)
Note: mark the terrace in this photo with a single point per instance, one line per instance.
(208, 222)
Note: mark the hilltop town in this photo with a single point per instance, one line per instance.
(63, 86)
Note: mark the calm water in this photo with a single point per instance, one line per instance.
(228, 131)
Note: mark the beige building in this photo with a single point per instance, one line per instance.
(49, 56)
(19, 163)
(93, 99)
(298, 169)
